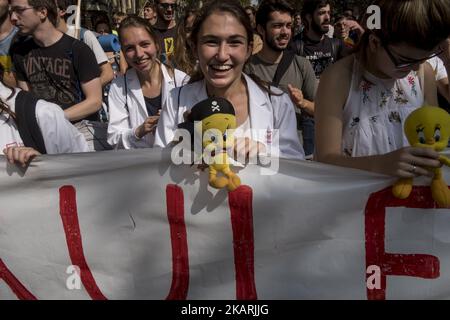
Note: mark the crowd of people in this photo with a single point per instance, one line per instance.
(319, 83)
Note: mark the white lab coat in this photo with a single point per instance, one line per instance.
(272, 118)
(59, 135)
(123, 121)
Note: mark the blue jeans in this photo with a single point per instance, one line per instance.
(306, 124)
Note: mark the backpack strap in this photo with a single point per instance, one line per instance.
(421, 76)
(70, 53)
(178, 104)
(301, 48)
(297, 45)
(29, 129)
(82, 32)
(172, 73)
(285, 63)
(336, 48)
(125, 82)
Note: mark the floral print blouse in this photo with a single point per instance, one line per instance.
(375, 111)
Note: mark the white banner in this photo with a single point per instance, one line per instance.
(129, 225)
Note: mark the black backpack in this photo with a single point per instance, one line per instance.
(27, 123)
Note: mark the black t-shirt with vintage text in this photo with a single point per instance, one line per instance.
(55, 73)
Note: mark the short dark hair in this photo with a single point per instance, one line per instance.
(50, 5)
(338, 17)
(269, 6)
(102, 21)
(310, 6)
(63, 5)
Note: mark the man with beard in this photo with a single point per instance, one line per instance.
(7, 33)
(165, 28)
(294, 73)
(318, 48)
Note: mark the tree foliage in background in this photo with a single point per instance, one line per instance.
(338, 5)
(195, 3)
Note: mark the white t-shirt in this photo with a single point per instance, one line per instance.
(438, 68)
(91, 41)
(59, 135)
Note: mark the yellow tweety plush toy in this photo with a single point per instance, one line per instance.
(428, 127)
(214, 120)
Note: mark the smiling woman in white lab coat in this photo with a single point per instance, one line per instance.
(221, 38)
(136, 98)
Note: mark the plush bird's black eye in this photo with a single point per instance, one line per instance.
(421, 135)
(437, 134)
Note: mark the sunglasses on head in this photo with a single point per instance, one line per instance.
(166, 6)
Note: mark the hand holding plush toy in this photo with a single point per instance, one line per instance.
(428, 127)
(215, 120)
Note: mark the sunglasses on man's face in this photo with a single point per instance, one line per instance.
(166, 6)
(405, 63)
